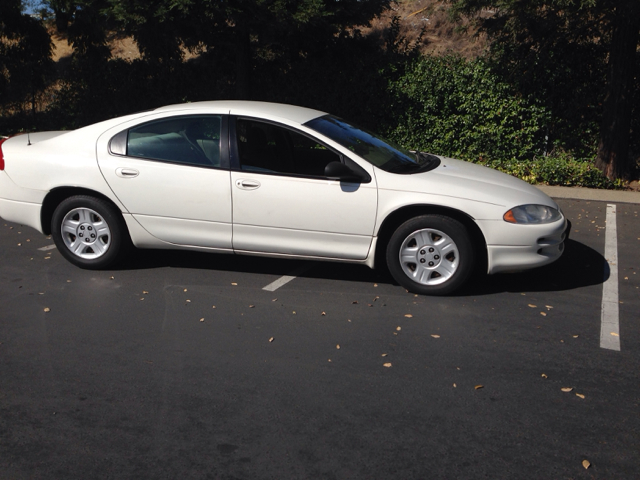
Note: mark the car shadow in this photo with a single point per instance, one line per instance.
(579, 266)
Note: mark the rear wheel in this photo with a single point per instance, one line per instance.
(89, 232)
(430, 255)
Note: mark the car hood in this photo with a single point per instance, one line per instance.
(459, 179)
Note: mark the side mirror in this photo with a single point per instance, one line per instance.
(340, 171)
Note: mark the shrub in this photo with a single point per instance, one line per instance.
(558, 169)
(457, 107)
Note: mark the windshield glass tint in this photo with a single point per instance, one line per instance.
(376, 150)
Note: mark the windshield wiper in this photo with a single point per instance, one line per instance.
(427, 161)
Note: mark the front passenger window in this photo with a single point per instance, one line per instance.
(268, 148)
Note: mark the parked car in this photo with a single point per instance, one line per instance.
(275, 180)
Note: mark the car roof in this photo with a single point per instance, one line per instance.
(249, 108)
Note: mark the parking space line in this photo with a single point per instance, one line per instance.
(48, 247)
(610, 323)
(273, 286)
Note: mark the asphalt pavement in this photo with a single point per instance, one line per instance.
(190, 365)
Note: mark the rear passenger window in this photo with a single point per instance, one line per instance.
(193, 140)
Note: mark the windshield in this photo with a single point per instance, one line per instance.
(373, 148)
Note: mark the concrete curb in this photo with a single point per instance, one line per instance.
(581, 193)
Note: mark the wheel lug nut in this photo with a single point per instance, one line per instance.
(431, 264)
(422, 260)
(431, 250)
(422, 252)
(82, 227)
(93, 235)
(436, 257)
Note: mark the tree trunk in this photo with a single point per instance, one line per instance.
(243, 61)
(613, 149)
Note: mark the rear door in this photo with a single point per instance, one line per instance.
(172, 175)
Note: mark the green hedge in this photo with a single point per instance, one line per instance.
(456, 107)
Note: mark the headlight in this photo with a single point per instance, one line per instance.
(532, 215)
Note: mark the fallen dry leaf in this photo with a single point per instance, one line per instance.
(252, 306)
(580, 395)
(234, 283)
(575, 336)
(398, 328)
(338, 347)
(543, 314)
(544, 375)
(213, 306)
(567, 389)
(271, 340)
(384, 354)
(435, 336)
(144, 292)
(549, 307)
(274, 300)
(47, 309)
(188, 301)
(615, 334)
(323, 314)
(532, 306)
(202, 319)
(408, 315)
(375, 284)
(454, 385)
(185, 290)
(586, 464)
(386, 365)
(478, 387)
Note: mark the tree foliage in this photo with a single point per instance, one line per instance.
(25, 57)
(459, 108)
(560, 51)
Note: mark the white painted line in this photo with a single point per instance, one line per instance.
(48, 247)
(610, 322)
(273, 286)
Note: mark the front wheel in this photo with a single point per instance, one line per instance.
(430, 255)
(89, 232)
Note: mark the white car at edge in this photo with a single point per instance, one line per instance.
(269, 179)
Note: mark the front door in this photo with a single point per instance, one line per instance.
(283, 203)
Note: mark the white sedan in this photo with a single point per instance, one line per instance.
(268, 179)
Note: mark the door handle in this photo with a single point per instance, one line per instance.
(247, 184)
(127, 172)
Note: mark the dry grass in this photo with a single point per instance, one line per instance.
(423, 21)
(427, 23)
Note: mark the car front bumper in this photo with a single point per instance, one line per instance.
(535, 246)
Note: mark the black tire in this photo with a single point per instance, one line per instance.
(89, 232)
(431, 255)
